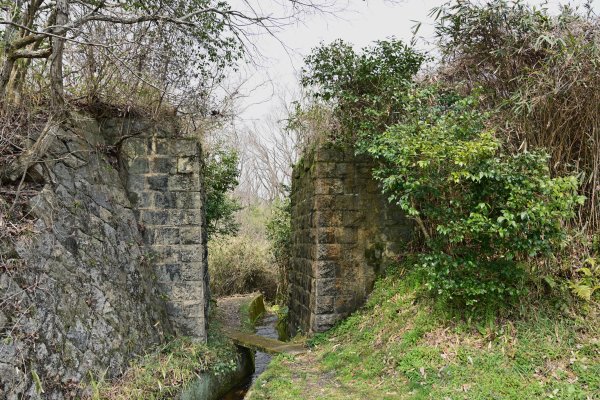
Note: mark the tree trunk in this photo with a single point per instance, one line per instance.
(5, 74)
(56, 59)
(17, 168)
(17, 82)
(9, 62)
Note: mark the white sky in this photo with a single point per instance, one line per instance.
(362, 23)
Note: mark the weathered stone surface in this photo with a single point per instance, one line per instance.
(190, 235)
(157, 181)
(106, 271)
(154, 217)
(343, 231)
(192, 217)
(83, 301)
(187, 200)
(209, 386)
(264, 344)
(183, 183)
(170, 204)
(139, 166)
(163, 164)
(186, 165)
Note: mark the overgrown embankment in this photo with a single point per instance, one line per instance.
(181, 369)
(494, 157)
(402, 345)
(78, 296)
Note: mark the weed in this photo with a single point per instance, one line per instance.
(163, 373)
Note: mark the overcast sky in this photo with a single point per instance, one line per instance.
(361, 24)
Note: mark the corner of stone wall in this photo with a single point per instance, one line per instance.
(164, 181)
(343, 231)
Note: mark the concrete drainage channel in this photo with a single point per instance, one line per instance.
(265, 328)
(214, 387)
(251, 362)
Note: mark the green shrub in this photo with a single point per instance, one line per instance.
(483, 213)
(588, 280)
(221, 173)
(364, 88)
(540, 74)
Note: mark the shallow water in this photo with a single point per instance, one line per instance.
(267, 327)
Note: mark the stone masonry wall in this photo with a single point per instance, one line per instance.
(343, 231)
(165, 185)
(114, 258)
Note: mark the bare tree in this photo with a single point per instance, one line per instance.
(56, 58)
(268, 151)
(210, 34)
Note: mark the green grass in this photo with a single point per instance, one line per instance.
(402, 346)
(164, 372)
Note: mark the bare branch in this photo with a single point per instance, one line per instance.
(40, 53)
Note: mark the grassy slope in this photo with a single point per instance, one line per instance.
(165, 371)
(401, 347)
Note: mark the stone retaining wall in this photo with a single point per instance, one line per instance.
(343, 231)
(164, 181)
(112, 262)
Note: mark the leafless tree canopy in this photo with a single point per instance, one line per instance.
(159, 52)
(268, 153)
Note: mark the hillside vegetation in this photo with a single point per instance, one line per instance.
(501, 199)
(402, 345)
(493, 153)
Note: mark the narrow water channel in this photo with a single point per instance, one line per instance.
(267, 327)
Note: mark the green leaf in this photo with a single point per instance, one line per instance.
(37, 381)
(550, 281)
(582, 291)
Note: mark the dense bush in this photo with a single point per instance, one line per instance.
(541, 74)
(483, 213)
(363, 87)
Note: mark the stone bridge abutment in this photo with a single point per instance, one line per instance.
(344, 232)
(163, 174)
